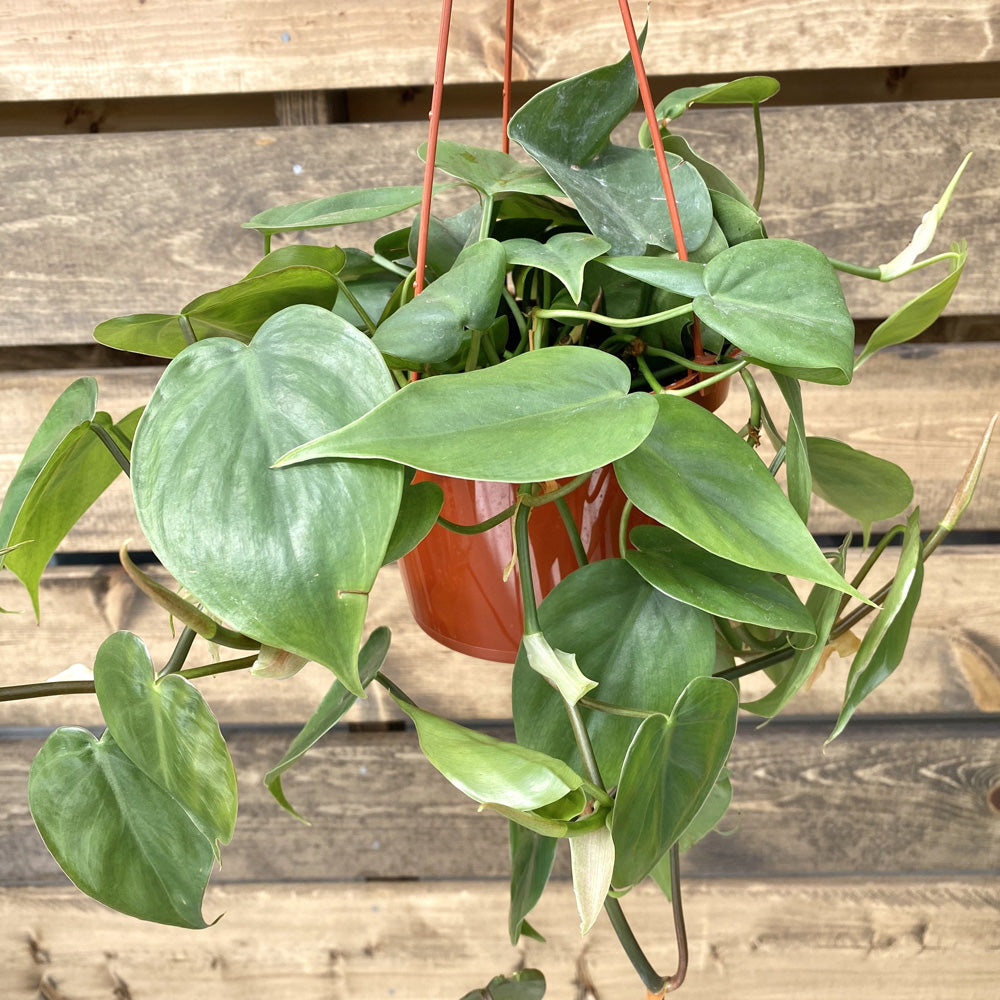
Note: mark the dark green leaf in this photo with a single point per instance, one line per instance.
(282, 556)
(329, 712)
(798, 474)
(688, 573)
(745, 90)
(528, 984)
(681, 276)
(542, 415)
(781, 303)
(429, 328)
(617, 190)
(418, 511)
(670, 770)
(730, 506)
(165, 728)
(641, 646)
(531, 859)
(117, 834)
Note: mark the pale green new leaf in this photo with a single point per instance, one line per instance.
(564, 255)
(542, 415)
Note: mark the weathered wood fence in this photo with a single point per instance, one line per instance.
(135, 137)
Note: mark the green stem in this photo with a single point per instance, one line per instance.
(185, 324)
(613, 321)
(651, 979)
(180, 653)
(390, 265)
(719, 375)
(112, 445)
(519, 321)
(759, 134)
(647, 374)
(572, 531)
(523, 548)
(486, 222)
(602, 706)
(872, 273)
(623, 528)
(476, 529)
(475, 342)
(356, 305)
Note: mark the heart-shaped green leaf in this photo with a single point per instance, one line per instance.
(490, 171)
(565, 255)
(429, 328)
(115, 832)
(782, 304)
(688, 573)
(329, 712)
(165, 728)
(418, 512)
(284, 556)
(672, 275)
(641, 646)
(730, 506)
(66, 467)
(617, 190)
(670, 770)
(884, 643)
(542, 415)
(798, 474)
(863, 486)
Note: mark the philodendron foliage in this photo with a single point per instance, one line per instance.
(272, 474)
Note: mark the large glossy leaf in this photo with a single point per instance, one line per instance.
(286, 557)
(823, 605)
(863, 486)
(684, 277)
(65, 469)
(492, 771)
(883, 645)
(115, 832)
(721, 587)
(782, 304)
(542, 415)
(285, 277)
(730, 505)
(429, 328)
(328, 713)
(490, 171)
(168, 731)
(531, 859)
(671, 768)
(338, 209)
(641, 646)
(912, 319)
(617, 189)
(565, 255)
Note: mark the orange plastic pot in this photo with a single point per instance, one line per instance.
(455, 582)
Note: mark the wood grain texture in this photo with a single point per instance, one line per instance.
(100, 225)
(907, 939)
(902, 406)
(952, 663)
(886, 799)
(102, 49)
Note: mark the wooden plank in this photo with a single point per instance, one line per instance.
(171, 229)
(909, 939)
(901, 406)
(885, 799)
(952, 663)
(84, 49)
